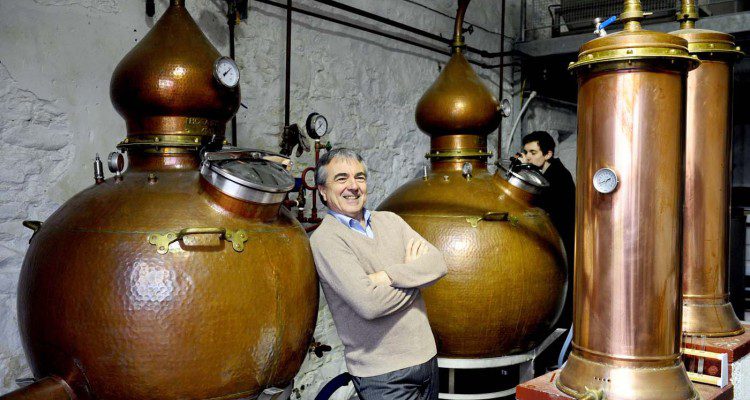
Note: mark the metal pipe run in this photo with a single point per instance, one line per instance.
(379, 33)
(405, 27)
(288, 71)
(501, 73)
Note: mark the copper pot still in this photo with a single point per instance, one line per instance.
(179, 278)
(496, 299)
(705, 304)
(627, 285)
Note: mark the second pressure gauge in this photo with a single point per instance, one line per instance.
(316, 126)
(226, 72)
(605, 180)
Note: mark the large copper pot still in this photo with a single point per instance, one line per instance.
(705, 305)
(627, 311)
(175, 280)
(497, 298)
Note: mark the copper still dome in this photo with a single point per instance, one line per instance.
(495, 300)
(181, 277)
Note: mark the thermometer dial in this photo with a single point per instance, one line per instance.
(605, 180)
(226, 72)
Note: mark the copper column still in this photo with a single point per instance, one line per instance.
(627, 311)
(180, 278)
(705, 299)
(507, 276)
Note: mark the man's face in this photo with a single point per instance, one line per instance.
(534, 154)
(345, 190)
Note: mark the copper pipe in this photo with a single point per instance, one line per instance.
(458, 28)
(50, 388)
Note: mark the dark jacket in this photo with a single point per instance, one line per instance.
(560, 202)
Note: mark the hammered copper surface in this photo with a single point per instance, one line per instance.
(627, 310)
(99, 307)
(706, 307)
(497, 298)
(165, 84)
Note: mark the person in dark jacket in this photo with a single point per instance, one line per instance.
(559, 201)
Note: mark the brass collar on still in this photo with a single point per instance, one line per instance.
(708, 44)
(156, 142)
(632, 46)
(460, 153)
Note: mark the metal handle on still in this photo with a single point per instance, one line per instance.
(162, 241)
(34, 226)
(488, 216)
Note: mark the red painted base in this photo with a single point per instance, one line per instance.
(543, 388)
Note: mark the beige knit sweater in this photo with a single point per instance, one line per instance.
(383, 328)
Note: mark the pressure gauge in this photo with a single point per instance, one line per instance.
(605, 180)
(505, 108)
(226, 72)
(316, 126)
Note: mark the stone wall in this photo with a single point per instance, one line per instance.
(57, 57)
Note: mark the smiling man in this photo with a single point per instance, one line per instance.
(372, 266)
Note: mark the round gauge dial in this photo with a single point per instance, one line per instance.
(226, 72)
(115, 162)
(316, 126)
(505, 108)
(605, 180)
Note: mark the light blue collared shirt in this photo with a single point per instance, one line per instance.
(354, 225)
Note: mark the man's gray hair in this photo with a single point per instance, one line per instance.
(320, 171)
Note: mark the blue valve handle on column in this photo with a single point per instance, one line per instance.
(600, 26)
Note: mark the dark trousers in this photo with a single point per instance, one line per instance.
(419, 382)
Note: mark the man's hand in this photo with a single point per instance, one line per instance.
(521, 157)
(380, 278)
(415, 249)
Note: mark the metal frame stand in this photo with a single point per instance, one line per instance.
(277, 393)
(526, 361)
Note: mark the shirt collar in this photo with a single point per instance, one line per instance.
(348, 221)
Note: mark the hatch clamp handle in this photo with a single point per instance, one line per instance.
(162, 242)
(489, 216)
